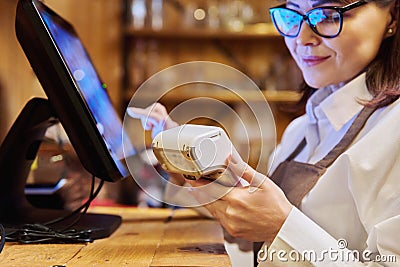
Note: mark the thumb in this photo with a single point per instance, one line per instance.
(245, 171)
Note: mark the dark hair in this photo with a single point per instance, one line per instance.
(382, 74)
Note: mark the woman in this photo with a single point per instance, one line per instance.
(348, 201)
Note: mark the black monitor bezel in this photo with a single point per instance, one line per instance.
(62, 91)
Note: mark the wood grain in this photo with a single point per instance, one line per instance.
(143, 239)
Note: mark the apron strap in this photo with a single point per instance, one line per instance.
(348, 138)
(296, 179)
(298, 149)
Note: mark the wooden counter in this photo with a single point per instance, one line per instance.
(143, 239)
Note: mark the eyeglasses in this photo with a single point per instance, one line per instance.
(326, 21)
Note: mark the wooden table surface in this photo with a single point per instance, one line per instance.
(143, 239)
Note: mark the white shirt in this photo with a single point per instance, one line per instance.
(357, 200)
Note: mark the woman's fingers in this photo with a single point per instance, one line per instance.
(246, 172)
(212, 189)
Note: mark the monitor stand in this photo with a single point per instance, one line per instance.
(17, 153)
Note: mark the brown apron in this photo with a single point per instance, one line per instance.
(296, 179)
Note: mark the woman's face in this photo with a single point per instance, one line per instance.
(325, 61)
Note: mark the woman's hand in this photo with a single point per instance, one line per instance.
(254, 213)
(152, 117)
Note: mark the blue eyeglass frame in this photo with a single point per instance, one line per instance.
(306, 17)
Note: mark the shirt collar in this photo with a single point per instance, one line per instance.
(339, 105)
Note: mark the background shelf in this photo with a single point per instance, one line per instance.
(177, 96)
(256, 31)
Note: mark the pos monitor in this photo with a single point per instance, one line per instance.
(78, 99)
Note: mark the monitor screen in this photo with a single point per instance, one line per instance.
(74, 89)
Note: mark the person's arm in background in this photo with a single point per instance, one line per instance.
(155, 118)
